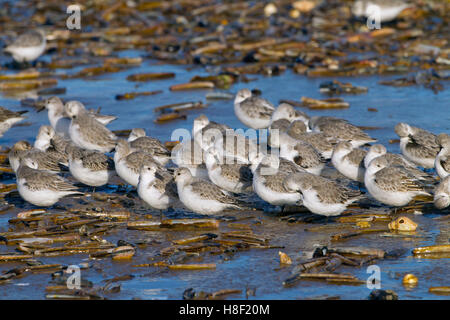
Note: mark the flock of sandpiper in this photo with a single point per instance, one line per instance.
(219, 164)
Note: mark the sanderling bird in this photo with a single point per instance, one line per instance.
(17, 152)
(205, 131)
(321, 142)
(8, 118)
(268, 181)
(23, 150)
(340, 129)
(442, 162)
(349, 161)
(202, 196)
(296, 127)
(57, 117)
(321, 195)
(417, 145)
(48, 141)
(234, 177)
(86, 132)
(28, 46)
(128, 163)
(442, 194)
(393, 159)
(92, 168)
(277, 130)
(394, 186)
(286, 111)
(386, 10)
(203, 123)
(254, 112)
(140, 142)
(157, 187)
(41, 188)
(189, 154)
(304, 155)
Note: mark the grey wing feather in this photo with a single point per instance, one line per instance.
(424, 138)
(38, 180)
(397, 179)
(150, 145)
(209, 191)
(96, 161)
(257, 107)
(28, 39)
(97, 133)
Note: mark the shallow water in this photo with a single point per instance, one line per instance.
(255, 268)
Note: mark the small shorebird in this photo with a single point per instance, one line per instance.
(23, 150)
(203, 123)
(321, 195)
(393, 159)
(189, 154)
(268, 181)
(277, 132)
(128, 163)
(442, 161)
(233, 177)
(254, 112)
(304, 155)
(92, 168)
(387, 10)
(41, 188)
(57, 116)
(442, 194)
(157, 187)
(205, 131)
(340, 129)
(8, 118)
(286, 111)
(48, 141)
(394, 186)
(202, 196)
(17, 152)
(349, 161)
(417, 145)
(28, 46)
(140, 142)
(86, 132)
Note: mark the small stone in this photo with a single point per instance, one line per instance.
(379, 294)
(410, 280)
(284, 258)
(270, 9)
